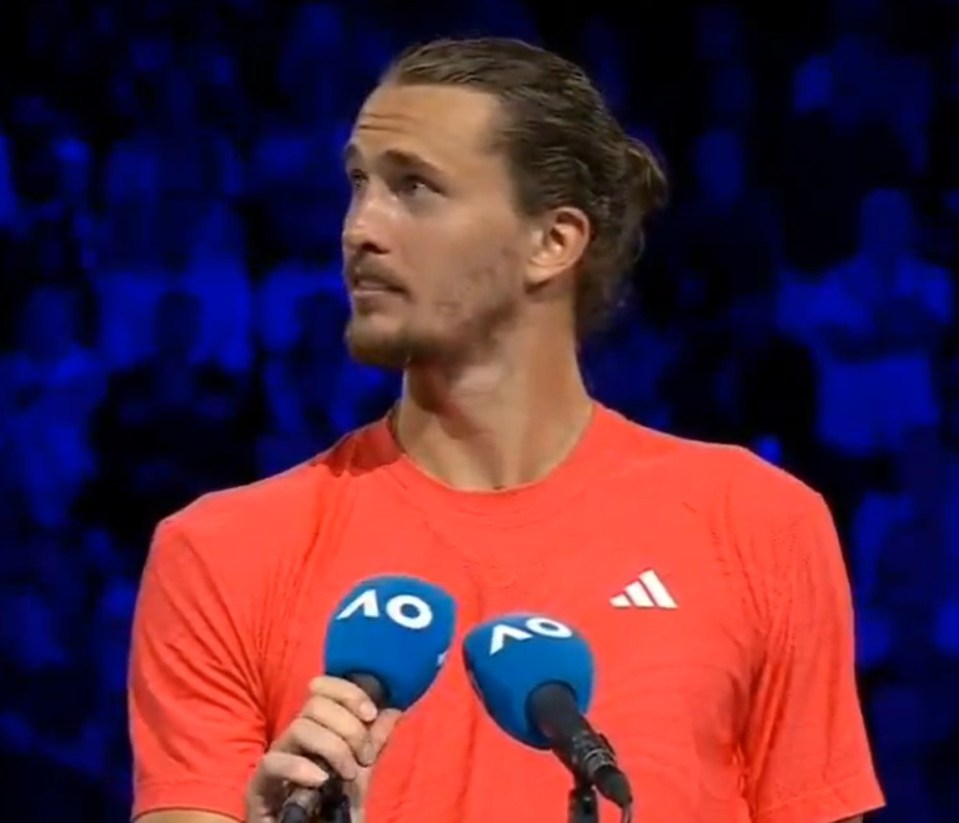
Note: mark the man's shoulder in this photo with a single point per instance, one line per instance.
(276, 509)
(707, 472)
(760, 518)
(739, 471)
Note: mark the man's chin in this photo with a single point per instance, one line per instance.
(378, 350)
(394, 351)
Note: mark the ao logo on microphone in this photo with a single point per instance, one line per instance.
(406, 610)
(504, 633)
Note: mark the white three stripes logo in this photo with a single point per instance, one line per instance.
(646, 592)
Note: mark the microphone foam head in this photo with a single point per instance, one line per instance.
(509, 657)
(395, 628)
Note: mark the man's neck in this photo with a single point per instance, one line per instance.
(493, 425)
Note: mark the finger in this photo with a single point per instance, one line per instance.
(338, 719)
(295, 768)
(381, 730)
(310, 738)
(346, 694)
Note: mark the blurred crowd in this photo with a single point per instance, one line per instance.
(171, 192)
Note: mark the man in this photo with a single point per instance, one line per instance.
(495, 204)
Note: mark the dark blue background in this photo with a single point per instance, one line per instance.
(171, 311)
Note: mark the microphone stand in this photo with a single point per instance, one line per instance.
(583, 806)
(336, 810)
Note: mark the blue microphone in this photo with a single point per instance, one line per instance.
(389, 636)
(534, 675)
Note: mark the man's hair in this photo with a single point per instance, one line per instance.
(564, 148)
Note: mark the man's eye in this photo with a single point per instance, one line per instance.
(356, 177)
(414, 184)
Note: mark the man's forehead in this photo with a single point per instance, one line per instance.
(444, 122)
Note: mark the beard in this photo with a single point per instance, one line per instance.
(459, 327)
(455, 335)
(392, 351)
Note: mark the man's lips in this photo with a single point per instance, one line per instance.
(370, 286)
(370, 283)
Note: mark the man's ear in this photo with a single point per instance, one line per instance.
(560, 239)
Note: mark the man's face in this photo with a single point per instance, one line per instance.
(433, 247)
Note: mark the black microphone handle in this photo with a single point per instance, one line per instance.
(302, 802)
(583, 751)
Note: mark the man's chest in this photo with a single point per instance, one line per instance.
(660, 607)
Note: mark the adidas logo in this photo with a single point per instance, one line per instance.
(646, 592)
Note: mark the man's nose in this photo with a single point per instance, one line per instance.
(364, 227)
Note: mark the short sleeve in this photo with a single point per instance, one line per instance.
(805, 746)
(196, 723)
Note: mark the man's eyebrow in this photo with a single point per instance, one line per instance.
(396, 157)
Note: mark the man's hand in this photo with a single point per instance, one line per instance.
(340, 725)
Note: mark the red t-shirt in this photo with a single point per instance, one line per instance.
(709, 584)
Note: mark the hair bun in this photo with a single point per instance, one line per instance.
(646, 176)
